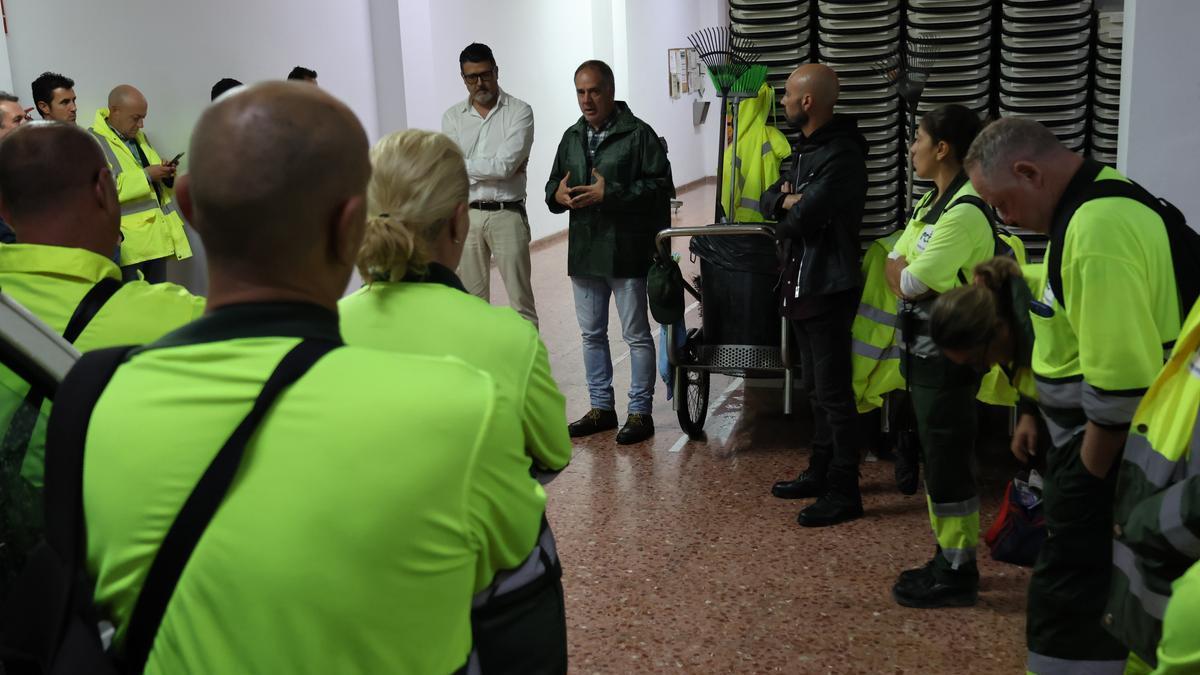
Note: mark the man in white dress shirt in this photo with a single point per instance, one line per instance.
(495, 132)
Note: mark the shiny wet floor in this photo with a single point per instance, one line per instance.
(676, 557)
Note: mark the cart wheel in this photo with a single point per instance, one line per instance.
(693, 402)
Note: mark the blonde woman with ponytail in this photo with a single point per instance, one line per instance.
(412, 302)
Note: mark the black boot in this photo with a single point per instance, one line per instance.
(939, 588)
(841, 502)
(909, 576)
(810, 483)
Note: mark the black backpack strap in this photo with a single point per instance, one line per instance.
(21, 426)
(89, 306)
(65, 435)
(1062, 218)
(202, 505)
(988, 213)
(1183, 241)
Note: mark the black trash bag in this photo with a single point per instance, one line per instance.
(738, 253)
(738, 279)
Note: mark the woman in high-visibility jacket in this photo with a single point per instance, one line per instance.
(414, 303)
(949, 234)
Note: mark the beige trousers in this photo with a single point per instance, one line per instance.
(505, 235)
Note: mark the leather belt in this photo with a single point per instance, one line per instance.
(498, 206)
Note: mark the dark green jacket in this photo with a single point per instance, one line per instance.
(616, 237)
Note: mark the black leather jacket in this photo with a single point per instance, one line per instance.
(819, 235)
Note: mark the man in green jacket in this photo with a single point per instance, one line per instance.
(611, 172)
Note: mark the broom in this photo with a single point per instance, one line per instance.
(907, 70)
(730, 61)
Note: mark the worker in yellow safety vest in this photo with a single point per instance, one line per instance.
(950, 233)
(1104, 315)
(59, 196)
(150, 221)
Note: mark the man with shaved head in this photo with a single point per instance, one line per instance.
(380, 491)
(1108, 310)
(58, 194)
(818, 205)
(150, 221)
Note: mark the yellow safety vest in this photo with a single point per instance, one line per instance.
(50, 281)
(761, 149)
(875, 358)
(1156, 511)
(150, 221)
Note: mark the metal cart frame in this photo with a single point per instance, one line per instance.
(694, 364)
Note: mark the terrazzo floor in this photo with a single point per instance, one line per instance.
(676, 557)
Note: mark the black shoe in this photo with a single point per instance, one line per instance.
(929, 592)
(916, 575)
(595, 421)
(910, 575)
(841, 503)
(638, 427)
(806, 486)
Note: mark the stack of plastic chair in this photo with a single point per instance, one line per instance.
(852, 35)
(961, 34)
(780, 32)
(1045, 59)
(1106, 89)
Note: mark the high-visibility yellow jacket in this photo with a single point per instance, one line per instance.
(875, 358)
(1157, 511)
(150, 220)
(1099, 351)
(50, 281)
(875, 343)
(380, 493)
(761, 148)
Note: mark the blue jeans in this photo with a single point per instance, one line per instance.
(591, 309)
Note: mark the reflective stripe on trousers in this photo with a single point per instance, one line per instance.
(956, 528)
(1038, 664)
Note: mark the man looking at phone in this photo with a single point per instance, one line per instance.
(150, 222)
(611, 172)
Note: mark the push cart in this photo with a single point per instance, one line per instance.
(741, 333)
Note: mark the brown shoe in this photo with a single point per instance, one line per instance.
(595, 421)
(638, 427)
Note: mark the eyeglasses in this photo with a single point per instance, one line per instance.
(476, 78)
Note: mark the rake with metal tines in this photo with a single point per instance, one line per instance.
(730, 61)
(908, 71)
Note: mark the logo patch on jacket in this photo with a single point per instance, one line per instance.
(924, 239)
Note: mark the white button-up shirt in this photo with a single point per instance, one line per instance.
(495, 146)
